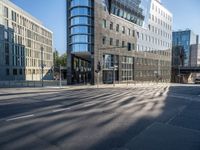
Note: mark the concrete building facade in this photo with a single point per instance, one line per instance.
(129, 39)
(25, 45)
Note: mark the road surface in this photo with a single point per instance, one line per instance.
(159, 117)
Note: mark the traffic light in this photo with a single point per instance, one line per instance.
(129, 46)
(98, 67)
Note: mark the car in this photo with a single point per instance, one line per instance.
(197, 81)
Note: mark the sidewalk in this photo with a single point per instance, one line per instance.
(132, 85)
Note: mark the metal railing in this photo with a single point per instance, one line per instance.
(21, 83)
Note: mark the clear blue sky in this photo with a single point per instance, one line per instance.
(52, 14)
(186, 14)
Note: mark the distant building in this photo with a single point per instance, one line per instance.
(132, 36)
(195, 55)
(189, 41)
(24, 44)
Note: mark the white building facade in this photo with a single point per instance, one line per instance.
(25, 45)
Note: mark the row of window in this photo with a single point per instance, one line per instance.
(30, 62)
(160, 22)
(24, 71)
(118, 43)
(117, 28)
(14, 72)
(161, 12)
(81, 21)
(74, 3)
(160, 32)
(23, 21)
(141, 36)
(81, 39)
(152, 73)
(81, 11)
(81, 30)
(31, 34)
(136, 18)
(81, 47)
(152, 62)
(128, 70)
(18, 54)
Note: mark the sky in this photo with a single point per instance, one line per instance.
(53, 15)
(185, 14)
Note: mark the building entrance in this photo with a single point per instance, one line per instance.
(81, 71)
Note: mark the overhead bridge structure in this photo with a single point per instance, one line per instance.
(185, 74)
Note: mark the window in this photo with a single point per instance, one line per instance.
(133, 46)
(138, 35)
(129, 32)
(81, 20)
(133, 33)
(14, 18)
(7, 72)
(14, 71)
(123, 43)
(104, 23)
(117, 42)
(7, 48)
(104, 40)
(81, 48)
(81, 39)
(111, 25)
(111, 41)
(117, 27)
(6, 12)
(129, 46)
(81, 3)
(6, 23)
(6, 35)
(7, 59)
(123, 30)
(81, 11)
(20, 71)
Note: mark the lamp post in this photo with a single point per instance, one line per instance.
(42, 65)
(60, 77)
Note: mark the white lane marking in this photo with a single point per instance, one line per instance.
(59, 110)
(21, 117)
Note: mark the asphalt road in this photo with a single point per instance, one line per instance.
(136, 118)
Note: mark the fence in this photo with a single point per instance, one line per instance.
(17, 83)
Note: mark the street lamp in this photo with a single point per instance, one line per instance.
(42, 65)
(115, 67)
(60, 77)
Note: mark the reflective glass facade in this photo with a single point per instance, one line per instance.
(184, 39)
(136, 11)
(81, 20)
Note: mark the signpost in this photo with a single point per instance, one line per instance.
(114, 68)
(98, 71)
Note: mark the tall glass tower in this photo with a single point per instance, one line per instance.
(80, 27)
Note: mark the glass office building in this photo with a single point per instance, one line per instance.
(134, 36)
(185, 39)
